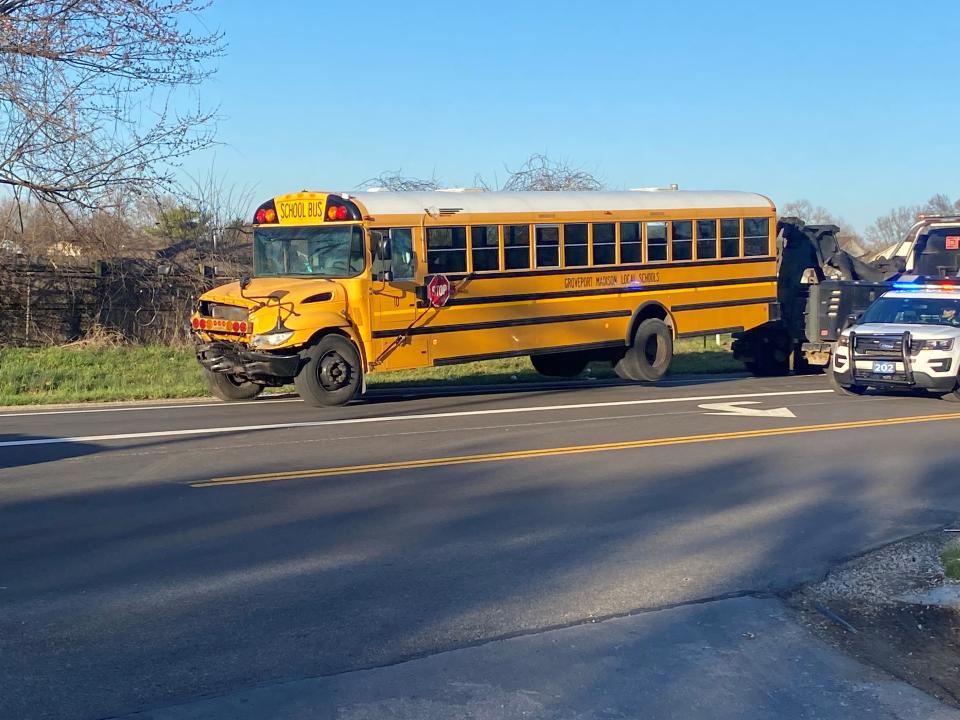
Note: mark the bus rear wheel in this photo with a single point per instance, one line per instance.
(330, 374)
(648, 358)
(568, 364)
(231, 388)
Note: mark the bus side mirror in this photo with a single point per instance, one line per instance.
(244, 281)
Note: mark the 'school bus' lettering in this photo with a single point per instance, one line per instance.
(564, 277)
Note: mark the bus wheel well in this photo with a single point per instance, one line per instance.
(647, 311)
(319, 334)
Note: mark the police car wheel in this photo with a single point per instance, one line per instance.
(230, 388)
(842, 389)
(952, 396)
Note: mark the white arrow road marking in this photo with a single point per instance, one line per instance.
(735, 408)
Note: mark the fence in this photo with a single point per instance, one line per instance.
(48, 303)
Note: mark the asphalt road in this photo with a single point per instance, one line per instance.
(150, 555)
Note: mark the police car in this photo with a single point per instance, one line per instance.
(908, 339)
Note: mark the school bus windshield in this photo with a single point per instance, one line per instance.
(327, 252)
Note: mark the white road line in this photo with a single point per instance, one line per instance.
(393, 418)
(411, 391)
(128, 408)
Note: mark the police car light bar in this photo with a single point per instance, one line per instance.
(919, 283)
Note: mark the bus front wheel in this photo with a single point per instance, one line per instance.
(331, 372)
(230, 388)
(648, 358)
(559, 364)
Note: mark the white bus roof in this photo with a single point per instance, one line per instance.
(408, 203)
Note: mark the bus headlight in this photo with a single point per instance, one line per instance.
(271, 339)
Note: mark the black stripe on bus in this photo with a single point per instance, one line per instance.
(716, 331)
(486, 299)
(722, 303)
(532, 351)
(493, 324)
(532, 272)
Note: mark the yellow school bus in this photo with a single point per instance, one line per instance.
(348, 284)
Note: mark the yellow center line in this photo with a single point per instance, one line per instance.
(568, 450)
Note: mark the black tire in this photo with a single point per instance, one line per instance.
(648, 358)
(952, 396)
(331, 372)
(230, 388)
(772, 354)
(568, 364)
(840, 389)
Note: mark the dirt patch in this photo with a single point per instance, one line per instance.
(894, 609)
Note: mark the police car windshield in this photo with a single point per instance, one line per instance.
(914, 311)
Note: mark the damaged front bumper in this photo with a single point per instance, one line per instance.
(238, 360)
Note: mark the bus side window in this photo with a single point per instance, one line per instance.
(548, 245)
(604, 244)
(756, 236)
(516, 247)
(656, 241)
(485, 244)
(630, 243)
(446, 250)
(706, 239)
(404, 261)
(730, 238)
(682, 239)
(575, 245)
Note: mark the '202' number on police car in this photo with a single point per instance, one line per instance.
(884, 368)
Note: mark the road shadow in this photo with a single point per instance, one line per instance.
(377, 395)
(143, 585)
(40, 450)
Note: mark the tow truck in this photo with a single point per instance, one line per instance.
(820, 287)
(907, 339)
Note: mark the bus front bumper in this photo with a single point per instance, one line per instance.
(238, 360)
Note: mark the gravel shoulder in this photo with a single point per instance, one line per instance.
(894, 609)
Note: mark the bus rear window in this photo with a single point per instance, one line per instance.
(756, 236)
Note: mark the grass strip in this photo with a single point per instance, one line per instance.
(950, 557)
(31, 376)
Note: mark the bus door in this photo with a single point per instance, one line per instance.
(395, 302)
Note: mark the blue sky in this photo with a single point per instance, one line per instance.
(850, 105)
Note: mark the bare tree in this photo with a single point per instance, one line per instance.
(539, 172)
(92, 95)
(395, 180)
(849, 239)
(893, 227)
(940, 204)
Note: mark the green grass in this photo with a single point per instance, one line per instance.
(950, 558)
(80, 374)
